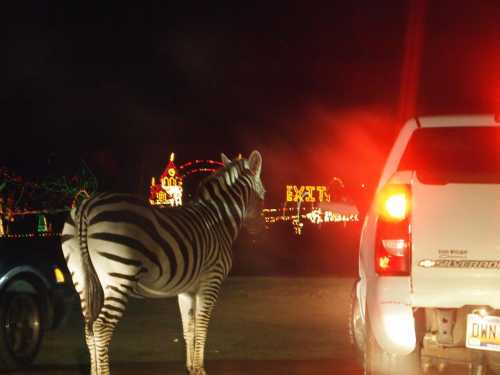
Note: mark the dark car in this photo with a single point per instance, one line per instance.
(36, 292)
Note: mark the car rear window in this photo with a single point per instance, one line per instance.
(454, 155)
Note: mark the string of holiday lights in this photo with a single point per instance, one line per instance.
(199, 170)
(31, 235)
(215, 163)
(199, 166)
(50, 195)
(314, 216)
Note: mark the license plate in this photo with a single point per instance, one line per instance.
(483, 332)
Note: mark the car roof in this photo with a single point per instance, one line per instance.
(458, 120)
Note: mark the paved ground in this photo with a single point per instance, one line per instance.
(222, 367)
(261, 325)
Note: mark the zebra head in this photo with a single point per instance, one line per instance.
(249, 172)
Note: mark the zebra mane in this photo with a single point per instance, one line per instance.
(220, 173)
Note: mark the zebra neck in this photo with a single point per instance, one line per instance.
(226, 206)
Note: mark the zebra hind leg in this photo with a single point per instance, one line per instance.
(99, 338)
(89, 334)
(89, 338)
(102, 333)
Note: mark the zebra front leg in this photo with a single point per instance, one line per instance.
(187, 309)
(204, 303)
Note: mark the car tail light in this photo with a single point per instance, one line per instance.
(393, 239)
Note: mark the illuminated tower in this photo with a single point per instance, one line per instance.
(169, 191)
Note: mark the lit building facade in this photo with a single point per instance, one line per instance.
(168, 192)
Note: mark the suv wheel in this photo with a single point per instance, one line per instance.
(21, 329)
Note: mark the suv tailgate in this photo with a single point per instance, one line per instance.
(456, 244)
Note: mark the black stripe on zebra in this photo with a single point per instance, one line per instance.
(229, 200)
(195, 237)
(117, 290)
(129, 242)
(219, 211)
(109, 315)
(130, 217)
(163, 221)
(118, 300)
(123, 276)
(113, 307)
(119, 259)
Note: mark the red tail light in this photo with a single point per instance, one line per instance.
(393, 239)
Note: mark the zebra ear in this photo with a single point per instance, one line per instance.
(225, 159)
(255, 162)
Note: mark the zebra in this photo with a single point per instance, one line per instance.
(118, 246)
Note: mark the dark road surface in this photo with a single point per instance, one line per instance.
(261, 325)
(226, 367)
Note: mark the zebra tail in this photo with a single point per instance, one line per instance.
(94, 294)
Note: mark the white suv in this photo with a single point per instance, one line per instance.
(429, 264)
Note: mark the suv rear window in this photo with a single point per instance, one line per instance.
(454, 155)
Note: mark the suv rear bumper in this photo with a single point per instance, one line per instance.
(390, 303)
(390, 314)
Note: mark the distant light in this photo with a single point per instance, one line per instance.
(59, 275)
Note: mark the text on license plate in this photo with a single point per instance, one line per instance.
(483, 332)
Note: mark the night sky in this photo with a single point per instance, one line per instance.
(316, 88)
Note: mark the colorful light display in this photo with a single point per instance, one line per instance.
(169, 191)
(32, 235)
(315, 216)
(199, 166)
(311, 193)
(316, 208)
(41, 226)
(42, 198)
(312, 203)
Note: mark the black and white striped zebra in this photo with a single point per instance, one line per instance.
(117, 246)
